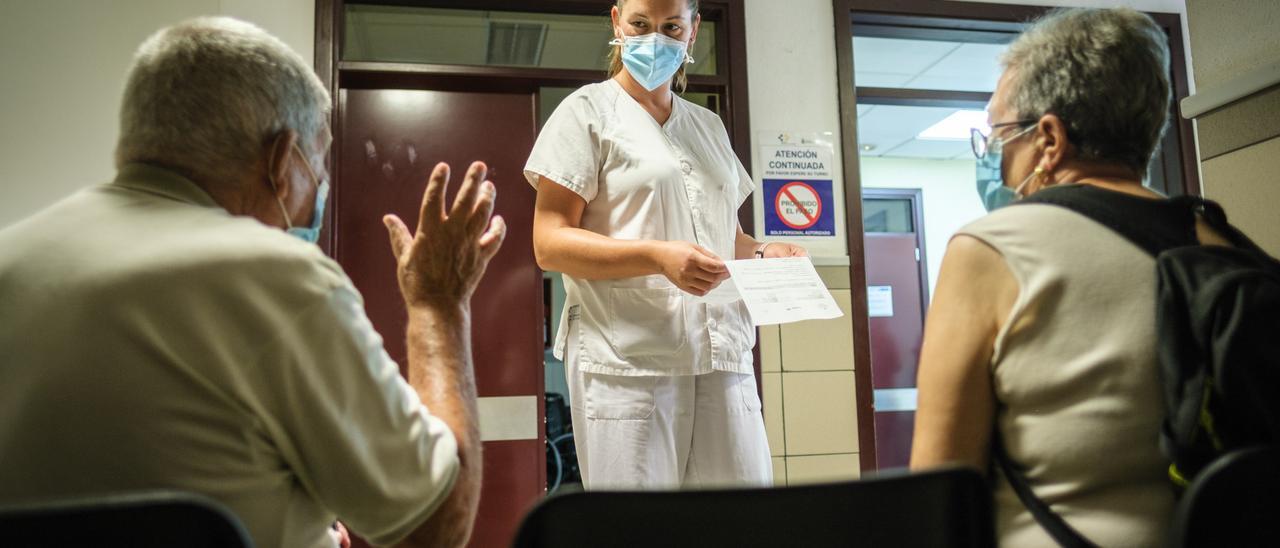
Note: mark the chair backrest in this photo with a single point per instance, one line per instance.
(943, 508)
(1234, 501)
(144, 520)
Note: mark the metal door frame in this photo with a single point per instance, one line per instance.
(969, 19)
(337, 74)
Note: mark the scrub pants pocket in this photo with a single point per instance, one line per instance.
(621, 440)
(614, 397)
(746, 388)
(730, 447)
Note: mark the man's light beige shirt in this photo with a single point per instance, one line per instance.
(152, 340)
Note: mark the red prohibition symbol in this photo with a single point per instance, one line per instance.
(795, 194)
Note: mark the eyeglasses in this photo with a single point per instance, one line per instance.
(980, 141)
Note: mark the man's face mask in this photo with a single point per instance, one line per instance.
(652, 59)
(311, 233)
(990, 173)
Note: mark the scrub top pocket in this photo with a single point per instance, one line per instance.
(647, 322)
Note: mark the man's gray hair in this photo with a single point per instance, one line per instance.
(206, 95)
(1104, 72)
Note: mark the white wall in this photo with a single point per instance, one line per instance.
(950, 199)
(793, 84)
(791, 80)
(64, 65)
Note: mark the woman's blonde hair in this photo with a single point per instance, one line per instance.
(615, 54)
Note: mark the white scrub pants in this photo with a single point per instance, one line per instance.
(667, 432)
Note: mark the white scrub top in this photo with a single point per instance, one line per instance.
(644, 181)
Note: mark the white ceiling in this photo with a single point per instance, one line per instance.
(926, 64)
(891, 131)
(918, 64)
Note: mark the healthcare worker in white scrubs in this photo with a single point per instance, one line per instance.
(638, 193)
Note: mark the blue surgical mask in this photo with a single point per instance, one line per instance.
(990, 175)
(652, 59)
(311, 233)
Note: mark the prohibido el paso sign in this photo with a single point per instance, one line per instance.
(797, 177)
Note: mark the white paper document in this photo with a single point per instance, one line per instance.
(776, 290)
(725, 293)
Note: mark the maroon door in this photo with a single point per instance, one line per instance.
(387, 142)
(895, 276)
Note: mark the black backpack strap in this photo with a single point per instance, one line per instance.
(1216, 218)
(1062, 532)
(1152, 225)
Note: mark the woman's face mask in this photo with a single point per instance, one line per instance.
(990, 174)
(652, 59)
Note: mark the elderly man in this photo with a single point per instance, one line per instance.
(164, 331)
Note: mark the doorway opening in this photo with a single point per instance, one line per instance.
(916, 77)
(416, 82)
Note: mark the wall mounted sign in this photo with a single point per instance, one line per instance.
(797, 180)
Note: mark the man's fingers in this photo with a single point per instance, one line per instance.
(492, 239)
(398, 233)
(465, 201)
(479, 219)
(433, 196)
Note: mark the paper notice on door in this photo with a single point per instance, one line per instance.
(777, 290)
(880, 301)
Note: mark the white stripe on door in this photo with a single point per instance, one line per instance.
(508, 418)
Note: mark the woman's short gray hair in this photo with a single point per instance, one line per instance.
(1104, 72)
(204, 96)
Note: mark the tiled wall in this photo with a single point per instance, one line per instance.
(808, 389)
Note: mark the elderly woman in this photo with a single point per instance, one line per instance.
(1042, 330)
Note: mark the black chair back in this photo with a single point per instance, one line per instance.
(143, 520)
(1235, 501)
(943, 508)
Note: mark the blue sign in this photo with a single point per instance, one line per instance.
(798, 207)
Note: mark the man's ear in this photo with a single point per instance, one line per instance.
(1051, 136)
(278, 151)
